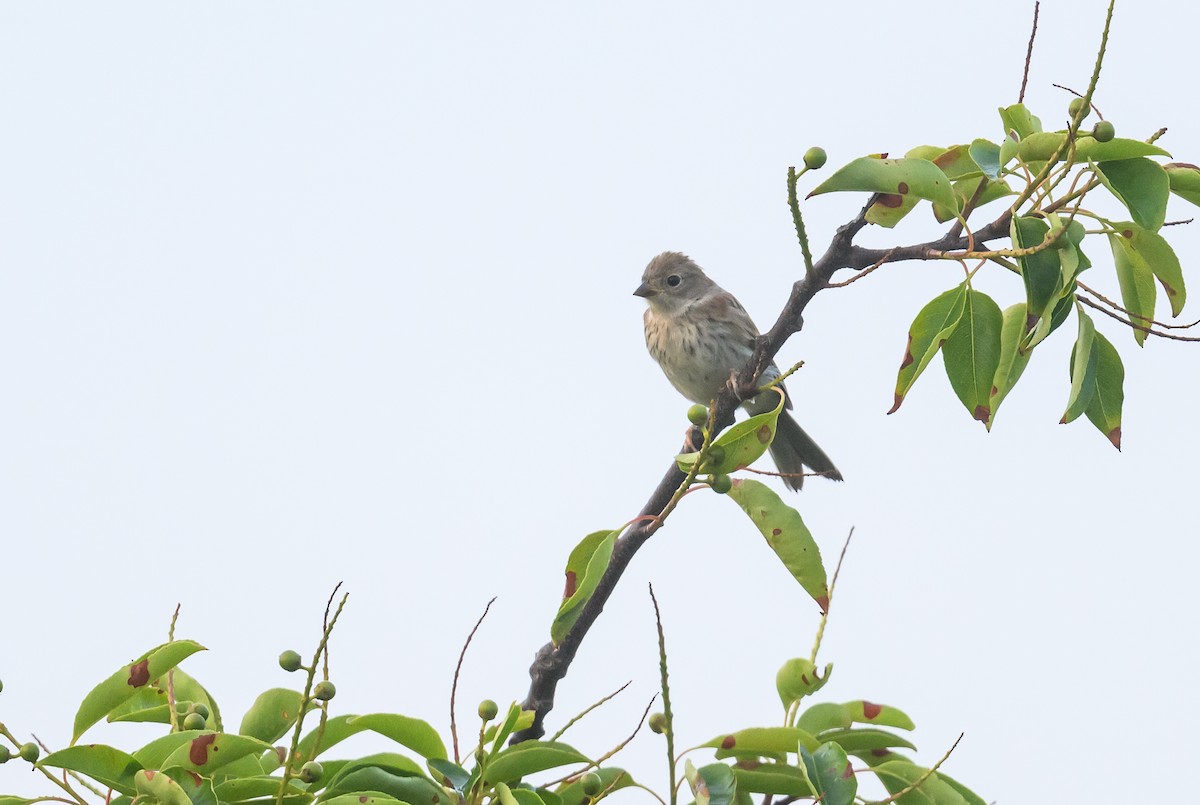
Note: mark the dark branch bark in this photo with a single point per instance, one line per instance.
(552, 662)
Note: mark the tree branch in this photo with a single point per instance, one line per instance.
(551, 663)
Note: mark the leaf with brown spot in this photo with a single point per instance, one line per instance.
(932, 326)
(206, 752)
(798, 678)
(830, 773)
(1082, 368)
(972, 353)
(272, 714)
(587, 562)
(881, 715)
(1012, 360)
(125, 683)
(1104, 410)
(912, 179)
(742, 444)
(1152, 249)
(785, 532)
(1135, 278)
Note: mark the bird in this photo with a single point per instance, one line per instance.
(700, 335)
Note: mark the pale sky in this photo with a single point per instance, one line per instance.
(298, 293)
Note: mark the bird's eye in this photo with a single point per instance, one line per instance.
(673, 280)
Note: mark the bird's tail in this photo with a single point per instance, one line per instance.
(793, 450)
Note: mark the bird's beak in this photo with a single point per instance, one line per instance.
(645, 291)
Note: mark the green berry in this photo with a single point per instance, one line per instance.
(202, 709)
(1076, 107)
(290, 661)
(5, 753)
(591, 783)
(30, 752)
(1104, 131)
(697, 414)
(324, 690)
(658, 723)
(814, 158)
(311, 771)
(721, 484)
(193, 721)
(488, 709)
(1, 686)
(716, 454)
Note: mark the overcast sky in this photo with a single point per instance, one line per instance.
(298, 293)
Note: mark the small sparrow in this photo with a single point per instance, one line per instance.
(700, 335)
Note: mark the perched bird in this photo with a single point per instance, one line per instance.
(700, 334)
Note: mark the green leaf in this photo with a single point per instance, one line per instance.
(1012, 360)
(965, 190)
(881, 715)
(585, 567)
(1135, 277)
(889, 209)
(451, 773)
(206, 752)
(413, 733)
(1040, 147)
(530, 757)
(200, 790)
(245, 789)
(1104, 411)
(742, 444)
(824, 716)
(118, 688)
(713, 784)
(830, 770)
(897, 775)
(159, 787)
(273, 713)
(611, 779)
(772, 742)
(1159, 258)
(929, 330)
(1185, 181)
(798, 678)
(902, 178)
(862, 741)
(987, 156)
(972, 353)
(513, 719)
(149, 704)
(773, 778)
(1083, 369)
(363, 798)
(401, 783)
(787, 535)
(106, 765)
(1040, 271)
(391, 762)
(1142, 186)
(956, 161)
(1017, 118)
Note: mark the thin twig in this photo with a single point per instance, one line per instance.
(172, 716)
(589, 709)
(457, 670)
(1029, 54)
(829, 602)
(669, 731)
(886, 258)
(1132, 315)
(928, 773)
(1130, 323)
(1095, 108)
(596, 763)
(798, 220)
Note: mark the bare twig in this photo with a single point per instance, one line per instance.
(589, 709)
(1029, 53)
(1130, 323)
(1132, 315)
(833, 583)
(457, 670)
(669, 731)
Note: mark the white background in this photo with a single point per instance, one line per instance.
(299, 293)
